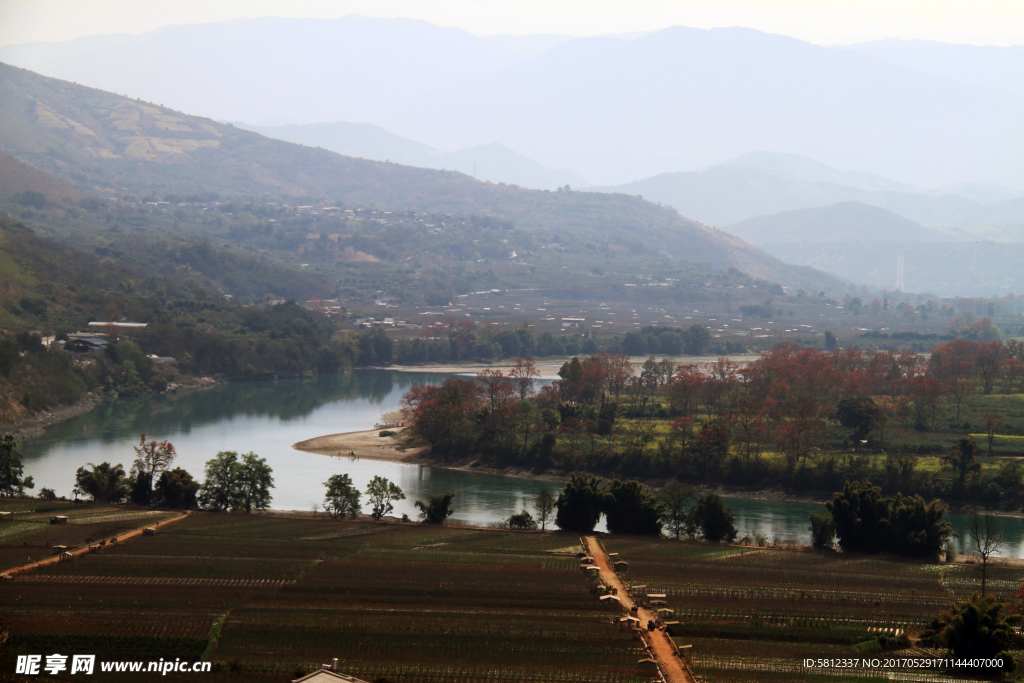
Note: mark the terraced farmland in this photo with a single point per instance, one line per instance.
(754, 614)
(409, 603)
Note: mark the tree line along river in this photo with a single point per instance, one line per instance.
(268, 417)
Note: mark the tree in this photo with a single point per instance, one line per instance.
(437, 508)
(992, 423)
(858, 414)
(630, 508)
(151, 458)
(523, 521)
(617, 371)
(952, 365)
(606, 415)
(823, 530)
(696, 338)
(714, 519)
(497, 389)
(253, 481)
(580, 504)
(47, 494)
(987, 540)
(104, 482)
(685, 387)
(382, 494)
(917, 529)
(675, 502)
(342, 497)
(711, 446)
(524, 375)
(865, 522)
(581, 381)
(861, 517)
(176, 489)
(140, 489)
(12, 483)
(444, 416)
(975, 629)
(545, 505)
(217, 491)
(960, 458)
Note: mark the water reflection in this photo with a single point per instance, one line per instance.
(789, 522)
(267, 417)
(281, 400)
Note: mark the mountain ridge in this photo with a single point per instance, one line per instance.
(493, 162)
(844, 222)
(550, 100)
(728, 193)
(101, 141)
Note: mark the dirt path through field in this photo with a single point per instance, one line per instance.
(661, 645)
(85, 549)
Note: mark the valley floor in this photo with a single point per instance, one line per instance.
(266, 597)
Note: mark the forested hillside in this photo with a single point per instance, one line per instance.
(104, 142)
(51, 290)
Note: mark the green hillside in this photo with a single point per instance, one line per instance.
(105, 142)
(49, 284)
(54, 289)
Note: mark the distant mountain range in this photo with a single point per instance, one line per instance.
(764, 183)
(987, 66)
(612, 108)
(981, 268)
(846, 222)
(865, 244)
(495, 162)
(109, 143)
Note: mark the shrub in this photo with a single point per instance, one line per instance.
(523, 521)
(437, 508)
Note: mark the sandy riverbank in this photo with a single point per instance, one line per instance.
(365, 444)
(549, 367)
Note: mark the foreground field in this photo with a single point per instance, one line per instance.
(266, 597)
(755, 614)
(263, 597)
(29, 536)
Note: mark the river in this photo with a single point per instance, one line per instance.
(268, 417)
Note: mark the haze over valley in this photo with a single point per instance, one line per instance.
(507, 342)
(722, 125)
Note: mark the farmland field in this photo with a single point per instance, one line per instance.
(29, 536)
(754, 614)
(268, 596)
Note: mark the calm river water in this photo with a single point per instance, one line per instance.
(268, 417)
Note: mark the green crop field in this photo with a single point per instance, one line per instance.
(406, 602)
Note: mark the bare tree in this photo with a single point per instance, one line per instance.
(524, 374)
(152, 458)
(987, 541)
(545, 504)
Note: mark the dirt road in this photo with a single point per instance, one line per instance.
(78, 552)
(661, 645)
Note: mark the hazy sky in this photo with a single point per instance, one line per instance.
(825, 22)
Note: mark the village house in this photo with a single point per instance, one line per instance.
(328, 673)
